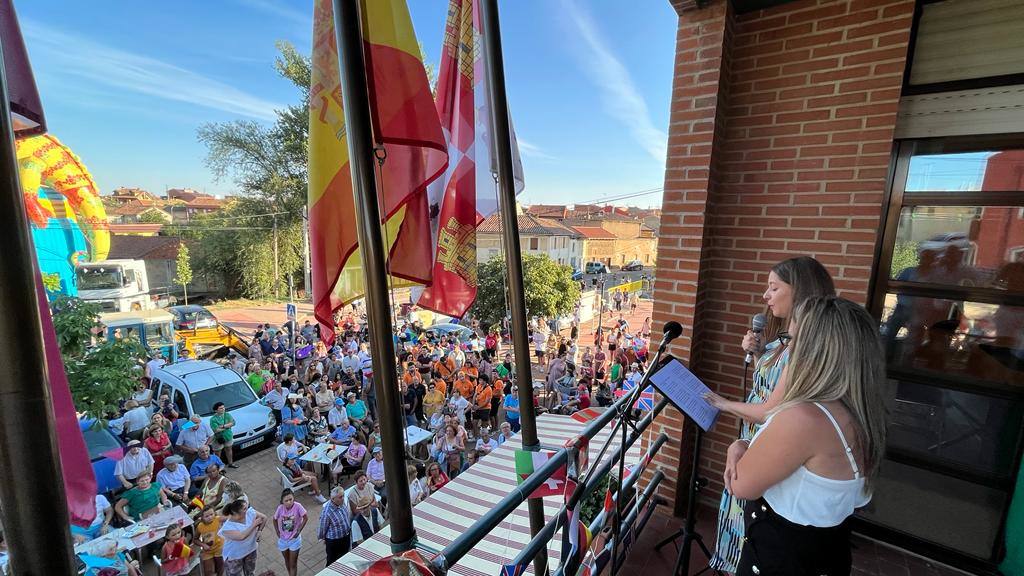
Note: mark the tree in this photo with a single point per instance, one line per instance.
(550, 289)
(269, 165)
(183, 269)
(100, 375)
(152, 217)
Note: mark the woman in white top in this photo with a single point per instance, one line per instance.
(810, 466)
(241, 533)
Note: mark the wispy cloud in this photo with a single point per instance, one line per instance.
(620, 96)
(282, 8)
(75, 56)
(532, 150)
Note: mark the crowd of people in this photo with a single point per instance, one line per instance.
(458, 387)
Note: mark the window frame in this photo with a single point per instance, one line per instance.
(880, 284)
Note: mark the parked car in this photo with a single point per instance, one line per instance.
(596, 268)
(632, 266)
(105, 450)
(577, 275)
(461, 332)
(192, 317)
(196, 385)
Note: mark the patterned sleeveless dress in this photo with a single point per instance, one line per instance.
(730, 512)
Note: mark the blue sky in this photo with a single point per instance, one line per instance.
(126, 84)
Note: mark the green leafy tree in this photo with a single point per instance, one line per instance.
(183, 269)
(904, 255)
(550, 289)
(268, 163)
(99, 375)
(152, 217)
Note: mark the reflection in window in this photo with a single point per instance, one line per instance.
(984, 341)
(960, 246)
(967, 172)
(954, 427)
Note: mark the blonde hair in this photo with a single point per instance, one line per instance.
(837, 356)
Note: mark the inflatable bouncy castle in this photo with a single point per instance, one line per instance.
(69, 223)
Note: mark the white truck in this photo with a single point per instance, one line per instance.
(116, 285)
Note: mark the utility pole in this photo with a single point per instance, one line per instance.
(277, 274)
(501, 131)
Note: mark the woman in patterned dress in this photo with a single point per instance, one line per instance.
(790, 283)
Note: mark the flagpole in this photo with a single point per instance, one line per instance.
(35, 514)
(378, 313)
(495, 71)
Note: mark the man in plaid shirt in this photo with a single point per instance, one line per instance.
(336, 526)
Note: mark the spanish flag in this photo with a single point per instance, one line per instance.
(408, 133)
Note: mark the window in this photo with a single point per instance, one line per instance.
(179, 401)
(534, 243)
(234, 395)
(949, 296)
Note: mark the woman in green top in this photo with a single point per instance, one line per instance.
(142, 500)
(223, 438)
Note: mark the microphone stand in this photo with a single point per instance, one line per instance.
(625, 412)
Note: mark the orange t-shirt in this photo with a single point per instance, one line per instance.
(444, 368)
(483, 396)
(471, 371)
(465, 387)
(499, 388)
(411, 376)
(441, 386)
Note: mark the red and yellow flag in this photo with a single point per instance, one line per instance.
(467, 193)
(405, 124)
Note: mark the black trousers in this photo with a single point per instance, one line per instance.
(775, 546)
(337, 547)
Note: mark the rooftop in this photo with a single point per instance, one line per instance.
(529, 225)
(143, 247)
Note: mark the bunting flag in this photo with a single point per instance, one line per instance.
(513, 569)
(575, 532)
(405, 123)
(467, 193)
(527, 462)
(76, 466)
(586, 415)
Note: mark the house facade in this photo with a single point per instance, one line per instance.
(561, 243)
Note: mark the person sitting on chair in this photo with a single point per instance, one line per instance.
(298, 476)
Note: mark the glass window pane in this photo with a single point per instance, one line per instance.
(955, 513)
(960, 429)
(972, 339)
(961, 246)
(967, 172)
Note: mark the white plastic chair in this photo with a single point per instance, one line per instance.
(291, 483)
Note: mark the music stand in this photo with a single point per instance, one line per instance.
(685, 392)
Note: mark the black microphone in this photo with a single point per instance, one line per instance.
(672, 330)
(757, 327)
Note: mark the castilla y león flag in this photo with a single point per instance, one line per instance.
(466, 194)
(405, 125)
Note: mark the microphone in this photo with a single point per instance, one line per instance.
(672, 330)
(756, 326)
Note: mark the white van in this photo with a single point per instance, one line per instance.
(196, 385)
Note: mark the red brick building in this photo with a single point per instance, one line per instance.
(884, 138)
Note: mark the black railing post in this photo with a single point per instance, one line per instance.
(501, 133)
(37, 528)
(385, 375)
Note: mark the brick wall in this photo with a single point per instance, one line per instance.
(779, 145)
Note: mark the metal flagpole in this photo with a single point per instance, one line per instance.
(501, 133)
(37, 529)
(364, 187)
